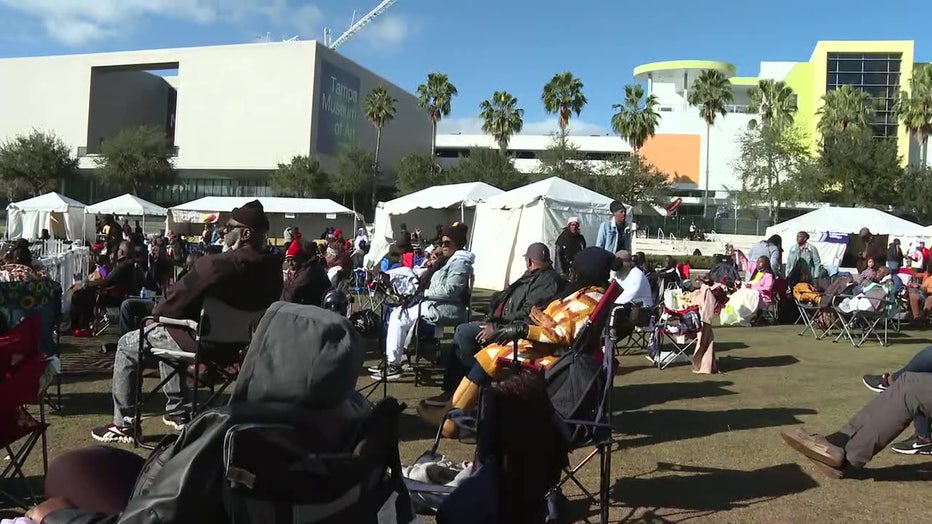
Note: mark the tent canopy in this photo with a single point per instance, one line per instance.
(311, 215)
(553, 189)
(63, 217)
(506, 224)
(425, 209)
(127, 204)
(442, 197)
(847, 220)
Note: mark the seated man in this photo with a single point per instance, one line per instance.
(908, 399)
(247, 276)
(307, 282)
(537, 287)
(125, 278)
(635, 287)
(553, 328)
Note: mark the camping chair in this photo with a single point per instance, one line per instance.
(858, 325)
(680, 328)
(23, 367)
(223, 334)
(632, 327)
(807, 315)
(427, 334)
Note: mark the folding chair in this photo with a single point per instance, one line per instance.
(427, 333)
(859, 325)
(223, 334)
(807, 314)
(639, 328)
(22, 367)
(681, 329)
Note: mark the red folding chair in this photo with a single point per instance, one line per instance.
(22, 365)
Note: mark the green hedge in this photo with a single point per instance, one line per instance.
(703, 262)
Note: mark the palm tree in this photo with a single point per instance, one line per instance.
(774, 102)
(501, 118)
(380, 110)
(710, 92)
(563, 96)
(636, 120)
(914, 108)
(436, 96)
(845, 108)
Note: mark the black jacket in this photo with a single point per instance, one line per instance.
(567, 245)
(301, 371)
(309, 286)
(532, 289)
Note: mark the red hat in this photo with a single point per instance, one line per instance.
(338, 233)
(294, 249)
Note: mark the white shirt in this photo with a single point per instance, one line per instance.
(635, 288)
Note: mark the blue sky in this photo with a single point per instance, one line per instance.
(484, 45)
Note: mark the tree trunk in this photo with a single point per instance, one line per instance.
(705, 196)
(924, 151)
(433, 141)
(378, 148)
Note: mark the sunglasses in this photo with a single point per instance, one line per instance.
(446, 243)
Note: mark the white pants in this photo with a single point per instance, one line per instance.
(400, 322)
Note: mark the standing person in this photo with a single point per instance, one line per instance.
(917, 258)
(873, 249)
(803, 261)
(772, 248)
(894, 256)
(570, 242)
(138, 229)
(615, 234)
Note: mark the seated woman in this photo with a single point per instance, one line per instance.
(920, 299)
(338, 262)
(869, 274)
(17, 264)
(553, 328)
(756, 295)
(444, 300)
(122, 280)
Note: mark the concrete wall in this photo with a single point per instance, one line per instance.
(240, 107)
(340, 89)
(124, 99)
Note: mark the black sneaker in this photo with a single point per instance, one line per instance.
(914, 445)
(393, 372)
(176, 420)
(113, 433)
(377, 369)
(440, 401)
(877, 383)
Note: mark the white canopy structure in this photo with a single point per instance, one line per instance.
(126, 205)
(425, 209)
(829, 227)
(506, 224)
(63, 217)
(310, 215)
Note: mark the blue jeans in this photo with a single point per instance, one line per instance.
(920, 363)
(463, 356)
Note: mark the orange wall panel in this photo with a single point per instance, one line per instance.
(676, 155)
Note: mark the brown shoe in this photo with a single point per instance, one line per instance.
(814, 446)
(828, 471)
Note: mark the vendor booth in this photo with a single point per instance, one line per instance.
(833, 229)
(131, 207)
(311, 215)
(63, 217)
(506, 224)
(426, 209)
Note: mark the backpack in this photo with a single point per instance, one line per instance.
(575, 384)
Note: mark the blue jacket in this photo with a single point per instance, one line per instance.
(608, 237)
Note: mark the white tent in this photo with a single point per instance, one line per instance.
(127, 206)
(311, 215)
(506, 224)
(425, 209)
(821, 223)
(63, 217)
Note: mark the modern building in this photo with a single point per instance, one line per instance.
(881, 68)
(232, 113)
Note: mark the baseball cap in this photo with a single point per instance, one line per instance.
(538, 252)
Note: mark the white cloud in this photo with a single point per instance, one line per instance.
(79, 23)
(388, 31)
(473, 125)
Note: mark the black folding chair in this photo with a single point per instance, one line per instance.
(223, 334)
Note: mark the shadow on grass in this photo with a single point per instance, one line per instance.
(671, 425)
(412, 427)
(690, 492)
(86, 403)
(637, 396)
(729, 363)
(721, 347)
(900, 473)
(19, 497)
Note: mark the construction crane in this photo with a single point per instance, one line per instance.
(357, 25)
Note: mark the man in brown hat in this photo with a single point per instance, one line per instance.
(246, 276)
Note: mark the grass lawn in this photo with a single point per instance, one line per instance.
(690, 447)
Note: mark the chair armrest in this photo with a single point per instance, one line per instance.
(178, 322)
(173, 353)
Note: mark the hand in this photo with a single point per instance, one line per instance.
(541, 319)
(38, 513)
(486, 334)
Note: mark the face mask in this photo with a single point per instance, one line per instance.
(231, 240)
